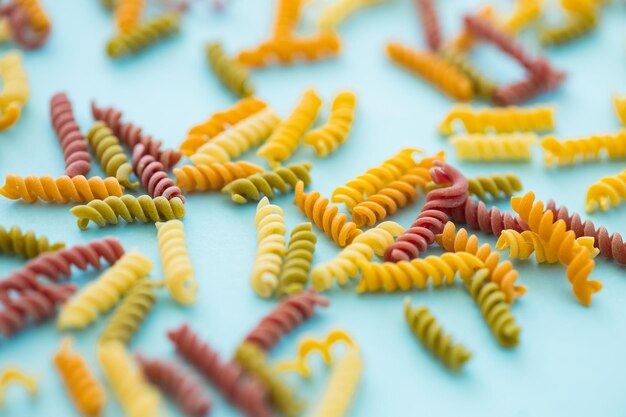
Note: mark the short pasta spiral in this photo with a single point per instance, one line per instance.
(619, 103)
(14, 375)
(178, 272)
(237, 140)
(101, 295)
(576, 26)
(430, 23)
(586, 149)
(494, 187)
(268, 262)
(257, 185)
(15, 91)
(285, 139)
(59, 190)
(17, 26)
(480, 148)
(25, 244)
(213, 176)
(345, 265)
(36, 14)
(608, 191)
(330, 136)
(143, 35)
(434, 69)
(232, 75)
(153, 176)
(499, 119)
(494, 308)
(287, 17)
(110, 154)
(128, 14)
(75, 150)
(334, 14)
(522, 245)
(489, 220)
(289, 50)
(295, 274)
(483, 86)
(325, 216)
(84, 389)
(431, 335)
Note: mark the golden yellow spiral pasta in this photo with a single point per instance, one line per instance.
(328, 138)
(523, 245)
(608, 191)
(257, 185)
(143, 208)
(143, 35)
(270, 226)
(295, 273)
(101, 295)
(12, 375)
(430, 334)
(137, 397)
(110, 154)
(232, 75)
(84, 389)
(576, 26)
(292, 49)
(287, 17)
(213, 176)
(507, 147)
(325, 216)
(619, 103)
(581, 6)
(285, 139)
(60, 190)
(334, 14)
(237, 140)
(128, 14)
(591, 148)
(487, 187)
(15, 91)
(434, 69)
(26, 244)
(499, 119)
(177, 269)
(465, 40)
(572, 254)
(526, 13)
(494, 308)
(36, 14)
(372, 180)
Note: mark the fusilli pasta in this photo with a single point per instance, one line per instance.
(128, 14)
(485, 187)
(213, 176)
(110, 154)
(228, 71)
(330, 136)
(25, 244)
(608, 191)
(36, 14)
(483, 86)
(586, 149)
(143, 35)
(481, 148)
(576, 26)
(10, 375)
(179, 273)
(292, 49)
(522, 245)
(268, 262)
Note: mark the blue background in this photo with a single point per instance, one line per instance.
(571, 359)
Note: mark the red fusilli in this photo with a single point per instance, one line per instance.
(75, 149)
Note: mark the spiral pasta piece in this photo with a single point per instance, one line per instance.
(130, 314)
(232, 75)
(213, 176)
(101, 295)
(36, 14)
(465, 40)
(430, 23)
(21, 29)
(179, 273)
(84, 389)
(110, 154)
(59, 190)
(336, 13)
(481, 148)
(15, 91)
(619, 103)
(237, 140)
(287, 17)
(483, 86)
(295, 273)
(257, 185)
(576, 26)
(285, 139)
(486, 187)
(252, 360)
(494, 308)
(435, 70)
(204, 132)
(608, 191)
(586, 149)
(374, 179)
(325, 216)
(577, 258)
(14, 375)
(136, 396)
(334, 133)
(25, 244)
(527, 88)
(268, 262)
(522, 245)
(128, 14)
(581, 6)
(153, 176)
(499, 119)
(75, 150)
(431, 335)
(143, 35)
(526, 13)
(287, 51)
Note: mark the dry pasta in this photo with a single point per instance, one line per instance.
(295, 273)
(15, 91)
(586, 149)
(576, 26)
(608, 191)
(110, 154)
(523, 244)
(619, 103)
(128, 14)
(487, 187)
(36, 14)
(268, 262)
(14, 375)
(482, 85)
(330, 136)
(178, 272)
(228, 71)
(334, 14)
(26, 244)
(481, 148)
(143, 35)
(287, 17)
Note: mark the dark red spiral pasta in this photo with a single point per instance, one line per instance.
(430, 23)
(56, 265)
(491, 221)
(433, 217)
(132, 135)
(21, 29)
(289, 314)
(611, 245)
(240, 389)
(526, 89)
(178, 383)
(152, 175)
(75, 149)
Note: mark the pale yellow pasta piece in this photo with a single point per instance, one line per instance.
(523, 245)
(510, 147)
(177, 268)
(15, 91)
(620, 108)
(14, 375)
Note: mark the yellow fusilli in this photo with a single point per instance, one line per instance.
(36, 14)
(270, 227)
(523, 245)
(576, 26)
(591, 148)
(608, 191)
(508, 147)
(213, 176)
(487, 187)
(110, 154)
(232, 75)
(15, 91)
(619, 103)
(177, 269)
(328, 138)
(334, 14)
(128, 14)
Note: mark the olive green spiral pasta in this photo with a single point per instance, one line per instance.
(264, 183)
(577, 26)
(430, 334)
(143, 35)
(487, 187)
(25, 244)
(483, 86)
(110, 154)
(143, 208)
(295, 273)
(230, 73)
(131, 313)
(494, 308)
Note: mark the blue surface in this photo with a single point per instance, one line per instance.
(571, 359)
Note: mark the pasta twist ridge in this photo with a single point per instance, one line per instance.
(153, 176)
(325, 216)
(256, 185)
(143, 35)
(330, 136)
(289, 50)
(432, 336)
(128, 14)
(488, 187)
(286, 138)
(607, 192)
(430, 23)
(10, 375)
(295, 273)
(509, 147)
(483, 86)
(232, 75)
(26, 244)
(110, 154)
(15, 91)
(36, 14)
(591, 148)
(576, 26)
(522, 245)
(75, 150)
(619, 103)
(177, 268)
(213, 176)
(287, 17)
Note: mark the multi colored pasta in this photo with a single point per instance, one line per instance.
(36, 14)
(608, 191)
(110, 154)
(128, 14)
(153, 176)
(178, 272)
(232, 75)
(298, 258)
(486, 187)
(213, 176)
(619, 103)
(334, 133)
(25, 244)
(143, 35)
(481, 148)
